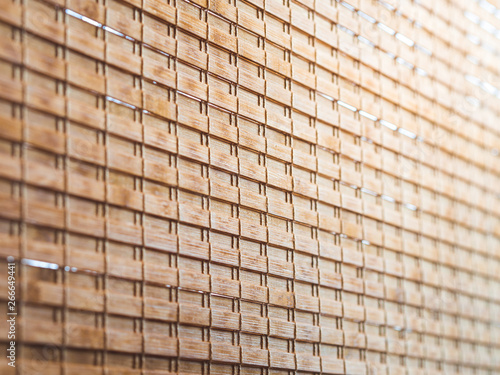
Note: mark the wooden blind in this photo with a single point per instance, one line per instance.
(261, 187)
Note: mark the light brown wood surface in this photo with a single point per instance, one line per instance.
(258, 187)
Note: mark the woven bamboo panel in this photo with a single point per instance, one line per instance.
(261, 187)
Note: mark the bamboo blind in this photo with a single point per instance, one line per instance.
(259, 187)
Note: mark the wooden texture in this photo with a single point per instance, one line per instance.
(258, 187)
